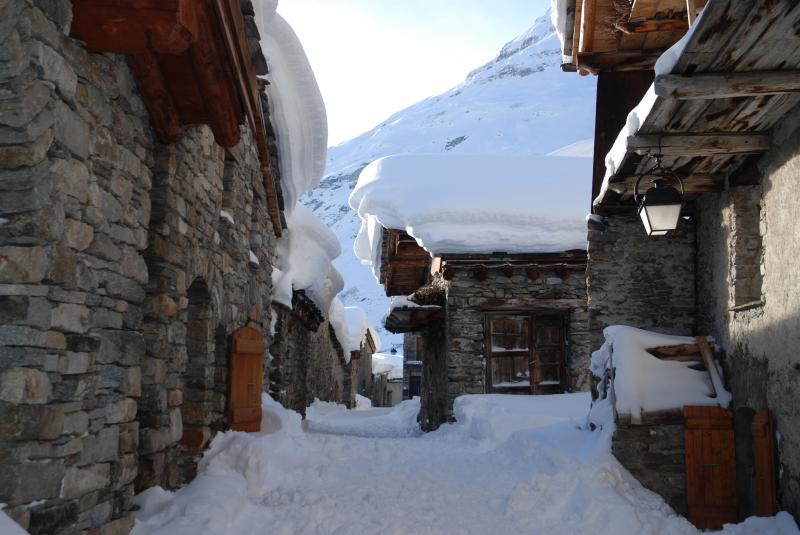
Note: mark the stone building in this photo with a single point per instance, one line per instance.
(485, 321)
(142, 186)
(715, 113)
(511, 324)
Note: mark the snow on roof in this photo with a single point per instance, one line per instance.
(388, 363)
(558, 14)
(638, 115)
(297, 111)
(303, 260)
(474, 203)
(358, 326)
(643, 382)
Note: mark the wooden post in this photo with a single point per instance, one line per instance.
(764, 452)
(691, 11)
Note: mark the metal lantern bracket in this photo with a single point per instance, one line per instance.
(660, 171)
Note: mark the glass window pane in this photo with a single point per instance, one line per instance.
(510, 372)
(509, 334)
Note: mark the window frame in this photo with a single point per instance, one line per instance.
(531, 315)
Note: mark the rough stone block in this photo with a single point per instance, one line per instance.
(31, 422)
(124, 347)
(175, 424)
(54, 68)
(102, 447)
(71, 131)
(74, 363)
(24, 385)
(27, 155)
(70, 317)
(78, 234)
(76, 423)
(48, 519)
(80, 481)
(23, 264)
(26, 482)
(121, 411)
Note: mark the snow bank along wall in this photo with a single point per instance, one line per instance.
(125, 265)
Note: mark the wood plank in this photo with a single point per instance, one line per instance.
(651, 25)
(699, 144)
(587, 26)
(708, 360)
(765, 467)
(671, 351)
(156, 96)
(694, 183)
(727, 84)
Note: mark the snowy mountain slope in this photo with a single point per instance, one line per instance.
(519, 103)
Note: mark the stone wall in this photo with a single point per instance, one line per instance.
(641, 281)
(468, 302)
(206, 218)
(654, 452)
(307, 359)
(760, 338)
(119, 281)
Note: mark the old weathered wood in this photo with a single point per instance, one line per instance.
(156, 96)
(694, 183)
(691, 11)
(710, 466)
(765, 469)
(652, 25)
(247, 362)
(587, 25)
(699, 144)
(671, 351)
(711, 366)
(727, 84)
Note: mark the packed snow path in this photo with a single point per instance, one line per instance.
(512, 464)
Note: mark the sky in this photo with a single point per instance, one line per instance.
(375, 57)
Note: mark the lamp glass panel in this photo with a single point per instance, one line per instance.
(660, 217)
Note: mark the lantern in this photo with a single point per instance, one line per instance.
(660, 206)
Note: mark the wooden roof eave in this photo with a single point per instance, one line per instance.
(715, 111)
(412, 319)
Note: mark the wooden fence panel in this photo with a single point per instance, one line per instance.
(765, 476)
(710, 466)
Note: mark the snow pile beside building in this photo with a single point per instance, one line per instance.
(474, 204)
(304, 261)
(377, 422)
(387, 363)
(643, 382)
(298, 111)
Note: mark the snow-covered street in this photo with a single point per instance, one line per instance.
(512, 464)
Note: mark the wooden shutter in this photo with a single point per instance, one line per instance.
(548, 356)
(710, 466)
(247, 363)
(764, 450)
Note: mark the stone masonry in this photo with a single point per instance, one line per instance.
(307, 358)
(640, 281)
(120, 281)
(749, 234)
(468, 301)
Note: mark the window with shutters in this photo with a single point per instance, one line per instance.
(526, 353)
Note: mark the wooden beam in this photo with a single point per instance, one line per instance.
(709, 144)
(694, 183)
(691, 11)
(587, 26)
(156, 96)
(652, 25)
(727, 84)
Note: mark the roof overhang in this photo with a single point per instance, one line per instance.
(193, 64)
(412, 319)
(712, 115)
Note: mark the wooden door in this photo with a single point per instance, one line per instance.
(710, 466)
(765, 476)
(547, 364)
(247, 368)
